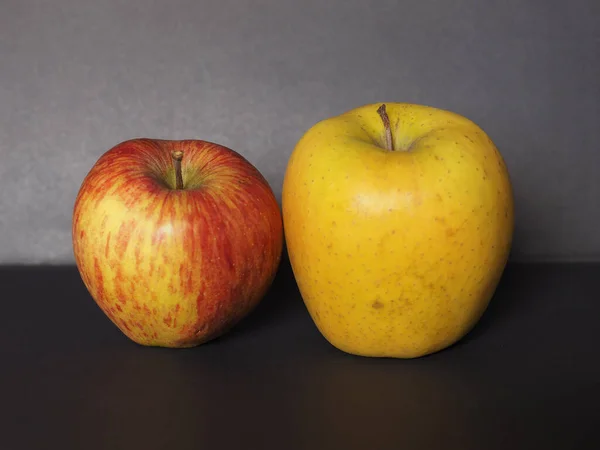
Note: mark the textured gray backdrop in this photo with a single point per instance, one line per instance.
(77, 77)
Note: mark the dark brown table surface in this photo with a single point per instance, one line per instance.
(527, 377)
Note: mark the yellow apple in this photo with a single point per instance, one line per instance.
(398, 220)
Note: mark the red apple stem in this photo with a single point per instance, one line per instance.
(389, 143)
(177, 157)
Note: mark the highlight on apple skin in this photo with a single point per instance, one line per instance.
(176, 241)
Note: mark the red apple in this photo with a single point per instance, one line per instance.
(176, 241)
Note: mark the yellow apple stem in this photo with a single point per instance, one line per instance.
(177, 157)
(389, 143)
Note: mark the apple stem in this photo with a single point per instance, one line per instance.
(389, 143)
(177, 157)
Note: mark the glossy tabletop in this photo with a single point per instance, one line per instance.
(528, 376)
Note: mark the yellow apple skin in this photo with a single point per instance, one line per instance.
(397, 253)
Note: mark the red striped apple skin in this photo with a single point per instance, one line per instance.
(176, 267)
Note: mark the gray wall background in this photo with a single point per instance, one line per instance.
(78, 76)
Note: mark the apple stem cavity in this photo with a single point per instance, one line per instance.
(177, 157)
(389, 143)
